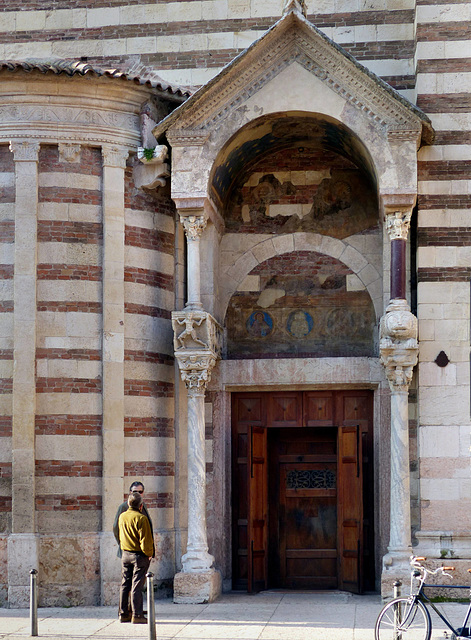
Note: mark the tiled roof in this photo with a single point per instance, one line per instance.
(138, 73)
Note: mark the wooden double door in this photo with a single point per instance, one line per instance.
(302, 498)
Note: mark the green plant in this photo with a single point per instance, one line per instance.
(148, 153)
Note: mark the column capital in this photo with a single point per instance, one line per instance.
(69, 151)
(398, 223)
(398, 345)
(115, 155)
(194, 226)
(25, 150)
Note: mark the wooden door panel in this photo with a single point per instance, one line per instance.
(257, 550)
(285, 409)
(318, 408)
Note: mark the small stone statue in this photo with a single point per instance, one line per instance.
(190, 332)
(296, 5)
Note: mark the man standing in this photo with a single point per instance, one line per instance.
(139, 488)
(136, 543)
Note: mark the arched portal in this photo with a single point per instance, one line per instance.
(295, 151)
(305, 179)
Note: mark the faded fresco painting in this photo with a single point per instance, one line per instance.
(300, 304)
(302, 188)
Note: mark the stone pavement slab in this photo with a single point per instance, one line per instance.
(271, 615)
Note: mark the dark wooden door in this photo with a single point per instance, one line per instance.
(302, 490)
(303, 508)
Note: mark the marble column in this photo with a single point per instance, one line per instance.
(23, 542)
(196, 342)
(399, 351)
(114, 164)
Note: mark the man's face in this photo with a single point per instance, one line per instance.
(139, 488)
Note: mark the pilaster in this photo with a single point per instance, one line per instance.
(114, 163)
(23, 540)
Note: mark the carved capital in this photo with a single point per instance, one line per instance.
(398, 223)
(25, 150)
(195, 370)
(194, 226)
(69, 152)
(398, 344)
(114, 156)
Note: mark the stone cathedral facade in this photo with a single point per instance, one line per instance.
(235, 264)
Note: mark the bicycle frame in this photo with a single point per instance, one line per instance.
(426, 600)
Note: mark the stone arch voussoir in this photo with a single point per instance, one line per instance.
(261, 250)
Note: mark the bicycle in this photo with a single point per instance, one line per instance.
(408, 618)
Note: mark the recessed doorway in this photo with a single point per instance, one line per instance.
(301, 504)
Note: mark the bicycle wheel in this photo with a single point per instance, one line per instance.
(403, 619)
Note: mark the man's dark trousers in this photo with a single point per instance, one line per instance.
(134, 568)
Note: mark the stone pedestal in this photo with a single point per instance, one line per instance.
(197, 587)
(23, 555)
(110, 569)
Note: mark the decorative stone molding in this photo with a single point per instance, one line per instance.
(398, 223)
(152, 172)
(398, 344)
(25, 150)
(115, 156)
(194, 226)
(69, 152)
(187, 138)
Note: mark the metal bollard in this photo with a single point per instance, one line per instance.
(33, 602)
(397, 588)
(151, 606)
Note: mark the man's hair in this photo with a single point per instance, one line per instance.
(134, 500)
(136, 484)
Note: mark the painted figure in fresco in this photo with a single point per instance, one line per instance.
(189, 332)
(259, 324)
(299, 324)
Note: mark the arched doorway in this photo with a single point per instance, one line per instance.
(301, 459)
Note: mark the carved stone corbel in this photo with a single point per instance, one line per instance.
(398, 344)
(197, 342)
(152, 172)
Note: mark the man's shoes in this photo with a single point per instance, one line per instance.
(125, 617)
(139, 620)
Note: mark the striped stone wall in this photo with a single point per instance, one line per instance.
(7, 237)
(68, 349)
(149, 430)
(188, 42)
(444, 271)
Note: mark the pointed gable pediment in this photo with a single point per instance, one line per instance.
(295, 41)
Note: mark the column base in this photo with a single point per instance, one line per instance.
(110, 567)
(197, 588)
(396, 566)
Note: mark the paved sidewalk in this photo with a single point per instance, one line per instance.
(271, 615)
